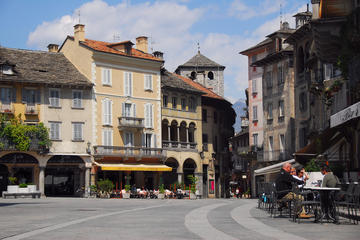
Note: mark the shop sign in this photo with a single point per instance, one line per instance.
(345, 115)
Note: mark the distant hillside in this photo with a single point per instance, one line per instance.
(239, 106)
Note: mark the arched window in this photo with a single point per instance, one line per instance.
(165, 130)
(173, 131)
(183, 132)
(211, 75)
(193, 75)
(191, 132)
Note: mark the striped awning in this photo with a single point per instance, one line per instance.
(134, 167)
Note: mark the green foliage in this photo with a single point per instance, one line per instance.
(12, 180)
(93, 188)
(16, 134)
(312, 166)
(193, 181)
(105, 186)
(161, 188)
(23, 185)
(127, 187)
(179, 185)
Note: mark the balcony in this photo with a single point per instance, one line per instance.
(128, 152)
(6, 108)
(131, 123)
(181, 146)
(31, 110)
(277, 155)
(7, 145)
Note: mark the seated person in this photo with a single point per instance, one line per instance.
(329, 180)
(327, 197)
(284, 183)
(301, 175)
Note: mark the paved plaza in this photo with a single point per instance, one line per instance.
(71, 218)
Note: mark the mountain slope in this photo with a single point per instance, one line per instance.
(239, 106)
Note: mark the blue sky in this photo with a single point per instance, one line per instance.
(222, 27)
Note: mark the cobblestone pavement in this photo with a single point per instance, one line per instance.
(71, 218)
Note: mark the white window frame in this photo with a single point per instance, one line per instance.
(81, 124)
(106, 76)
(149, 115)
(281, 108)
(255, 139)
(148, 82)
(77, 102)
(128, 84)
(126, 137)
(254, 86)
(270, 111)
(105, 133)
(255, 115)
(107, 111)
(51, 124)
(282, 143)
(54, 99)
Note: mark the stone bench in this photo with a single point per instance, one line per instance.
(36, 194)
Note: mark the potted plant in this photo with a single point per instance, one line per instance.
(31, 187)
(105, 187)
(93, 190)
(23, 188)
(126, 194)
(12, 187)
(193, 180)
(161, 194)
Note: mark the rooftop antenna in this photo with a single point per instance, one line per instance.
(116, 37)
(198, 45)
(79, 15)
(152, 43)
(281, 16)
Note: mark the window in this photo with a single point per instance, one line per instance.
(54, 98)
(8, 95)
(216, 144)
(147, 140)
(215, 117)
(107, 111)
(77, 128)
(128, 110)
(302, 137)
(281, 108)
(255, 139)
(192, 104)
(149, 115)
(280, 75)
(107, 135)
(129, 139)
(303, 101)
(328, 69)
(271, 143)
(255, 118)
(205, 142)
(128, 84)
(282, 143)
(270, 111)
(253, 58)
(211, 75)
(148, 82)
(268, 79)
(165, 101)
(174, 102)
(77, 99)
(193, 75)
(204, 115)
(6, 69)
(183, 104)
(54, 130)
(106, 76)
(30, 96)
(254, 89)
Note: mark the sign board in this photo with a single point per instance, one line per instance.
(345, 115)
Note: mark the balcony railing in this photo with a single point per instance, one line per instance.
(136, 152)
(276, 155)
(131, 122)
(6, 145)
(31, 110)
(179, 145)
(6, 108)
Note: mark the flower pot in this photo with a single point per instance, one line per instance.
(13, 188)
(161, 196)
(23, 190)
(126, 195)
(192, 196)
(32, 188)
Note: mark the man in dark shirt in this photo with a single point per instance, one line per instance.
(284, 183)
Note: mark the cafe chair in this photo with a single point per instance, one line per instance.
(311, 203)
(349, 201)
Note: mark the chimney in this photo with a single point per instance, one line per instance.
(53, 47)
(142, 44)
(79, 32)
(159, 55)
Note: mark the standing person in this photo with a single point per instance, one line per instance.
(237, 192)
(284, 186)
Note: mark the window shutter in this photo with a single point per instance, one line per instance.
(146, 116)
(151, 115)
(110, 112)
(123, 109)
(130, 84)
(126, 86)
(104, 111)
(150, 82)
(154, 137)
(143, 140)
(134, 109)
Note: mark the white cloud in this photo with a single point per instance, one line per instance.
(242, 11)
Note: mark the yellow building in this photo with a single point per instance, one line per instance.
(126, 107)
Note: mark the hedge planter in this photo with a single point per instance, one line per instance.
(13, 188)
(23, 190)
(192, 196)
(161, 196)
(32, 188)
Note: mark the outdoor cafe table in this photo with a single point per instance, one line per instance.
(327, 203)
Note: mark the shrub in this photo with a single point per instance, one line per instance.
(23, 185)
(105, 185)
(193, 181)
(161, 188)
(127, 188)
(312, 166)
(12, 180)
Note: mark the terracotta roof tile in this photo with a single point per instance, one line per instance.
(208, 92)
(106, 47)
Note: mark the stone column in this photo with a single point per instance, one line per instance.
(180, 177)
(199, 183)
(87, 181)
(178, 136)
(187, 138)
(169, 135)
(42, 181)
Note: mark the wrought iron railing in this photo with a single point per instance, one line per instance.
(6, 108)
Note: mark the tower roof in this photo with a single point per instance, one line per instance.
(200, 60)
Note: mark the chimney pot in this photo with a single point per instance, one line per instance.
(142, 44)
(53, 47)
(79, 32)
(159, 55)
